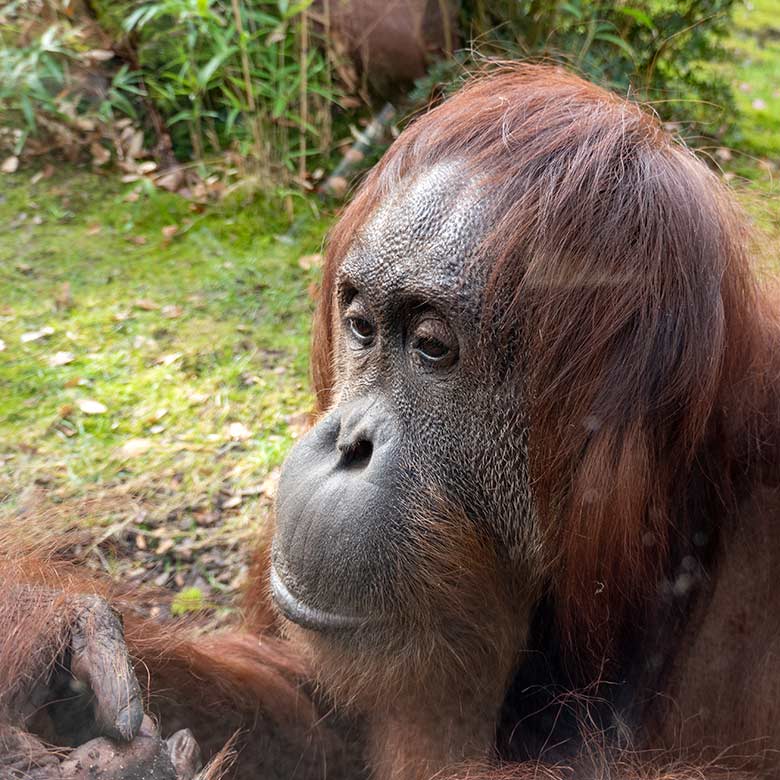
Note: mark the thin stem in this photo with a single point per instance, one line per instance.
(250, 95)
(303, 96)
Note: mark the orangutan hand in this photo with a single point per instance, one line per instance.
(145, 757)
(85, 695)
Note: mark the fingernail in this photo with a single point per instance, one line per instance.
(128, 721)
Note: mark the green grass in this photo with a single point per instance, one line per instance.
(179, 339)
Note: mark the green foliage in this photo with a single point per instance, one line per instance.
(244, 76)
(755, 67)
(42, 80)
(252, 78)
(236, 74)
(654, 49)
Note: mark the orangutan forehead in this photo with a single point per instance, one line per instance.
(424, 234)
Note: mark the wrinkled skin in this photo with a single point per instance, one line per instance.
(416, 411)
(89, 699)
(386, 507)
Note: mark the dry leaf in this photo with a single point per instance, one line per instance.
(146, 304)
(61, 359)
(133, 196)
(276, 36)
(172, 312)
(36, 335)
(299, 423)
(144, 342)
(99, 55)
(10, 164)
(133, 448)
(270, 484)
(84, 123)
(238, 431)
(138, 240)
(2, 345)
(135, 144)
(307, 262)
(170, 180)
(100, 155)
(169, 231)
(94, 229)
(167, 360)
(89, 406)
(147, 166)
(232, 502)
(166, 545)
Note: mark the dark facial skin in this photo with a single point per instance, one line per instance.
(421, 418)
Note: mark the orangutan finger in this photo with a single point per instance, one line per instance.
(101, 759)
(99, 659)
(185, 755)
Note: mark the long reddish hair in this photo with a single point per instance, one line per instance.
(621, 264)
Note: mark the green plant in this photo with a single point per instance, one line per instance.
(44, 78)
(187, 600)
(239, 75)
(657, 50)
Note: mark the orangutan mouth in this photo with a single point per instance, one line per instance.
(307, 616)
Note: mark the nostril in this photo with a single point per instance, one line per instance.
(358, 453)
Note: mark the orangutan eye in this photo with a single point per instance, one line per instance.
(432, 349)
(435, 344)
(362, 330)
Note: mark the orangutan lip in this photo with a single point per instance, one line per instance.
(308, 617)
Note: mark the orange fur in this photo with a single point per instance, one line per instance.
(620, 265)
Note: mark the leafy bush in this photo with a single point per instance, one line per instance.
(657, 50)
(230, 74)
(252, 78)
(244, 76)
(46, 80)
